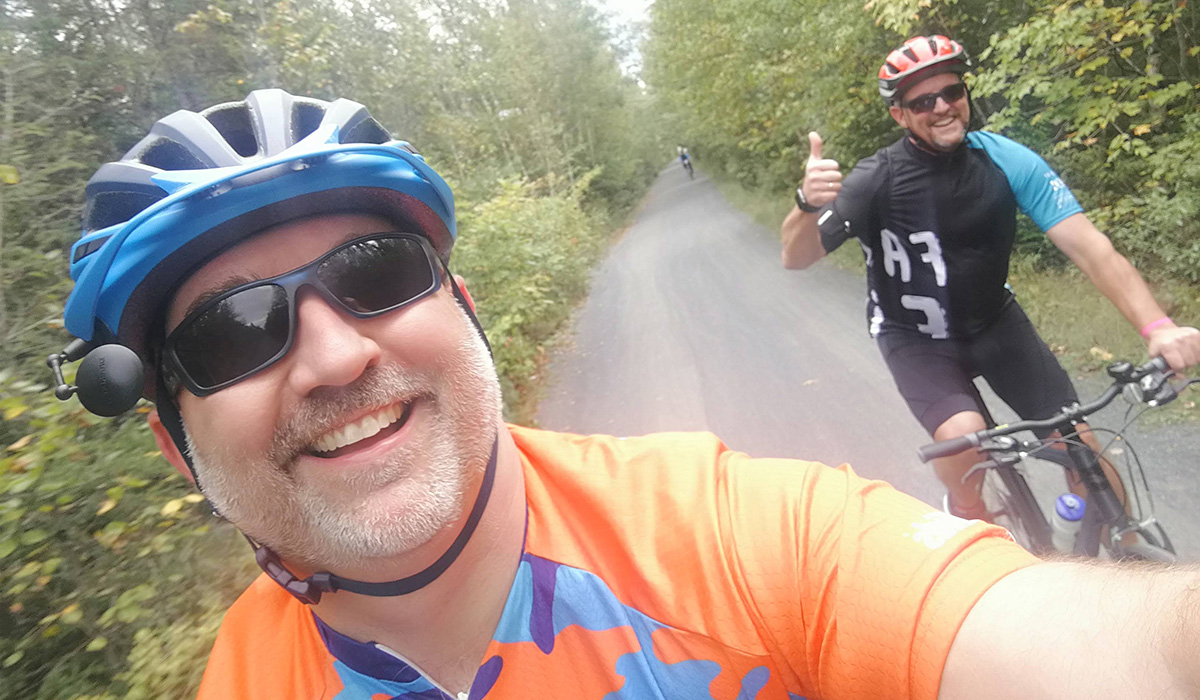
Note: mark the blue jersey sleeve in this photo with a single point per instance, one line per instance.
(1040, 192)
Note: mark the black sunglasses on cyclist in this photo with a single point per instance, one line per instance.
(925, 103)
(245, 330)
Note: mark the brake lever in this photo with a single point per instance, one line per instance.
(1002, 450)
(1156, 388)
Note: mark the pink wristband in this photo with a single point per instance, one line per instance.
(1154, 324)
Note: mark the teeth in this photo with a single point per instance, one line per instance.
(361, 430)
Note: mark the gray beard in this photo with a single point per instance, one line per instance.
(391, 509)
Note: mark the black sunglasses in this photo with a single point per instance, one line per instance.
(245, 330)
(925, 103)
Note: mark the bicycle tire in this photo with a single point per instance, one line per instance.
(1009, 498)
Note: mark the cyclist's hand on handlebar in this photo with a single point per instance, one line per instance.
(1179, 346)
(822, 178)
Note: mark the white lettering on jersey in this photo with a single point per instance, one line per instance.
(876, 312)
(1062, 195)
(893, 253)
(866, 252)
(933, 254)
(935, 317)
(828, 213)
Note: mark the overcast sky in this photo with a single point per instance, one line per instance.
(628, 10)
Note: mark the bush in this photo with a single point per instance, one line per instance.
(526, 253)
(100, 543)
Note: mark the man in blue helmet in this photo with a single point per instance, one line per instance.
(279, 265)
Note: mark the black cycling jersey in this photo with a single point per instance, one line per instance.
(937, 230)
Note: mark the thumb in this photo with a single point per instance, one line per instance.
(814, 144)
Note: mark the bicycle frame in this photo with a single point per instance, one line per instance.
(1105, 508)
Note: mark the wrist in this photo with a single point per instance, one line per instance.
(1156, 324)
(802, 202)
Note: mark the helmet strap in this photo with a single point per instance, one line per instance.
(462, 301)
(171, 419)
(309, 590)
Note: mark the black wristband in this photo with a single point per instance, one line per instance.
(802, 202)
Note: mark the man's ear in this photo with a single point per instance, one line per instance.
(167, 446)
(898, 115)
(462, 286)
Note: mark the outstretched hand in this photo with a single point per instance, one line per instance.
(1179, 346)
(822, 178)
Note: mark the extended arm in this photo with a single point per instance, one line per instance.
(1079, 631)
(822, 182)
(1118, 280)
(801, 240)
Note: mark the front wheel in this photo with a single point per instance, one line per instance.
(1008, 497)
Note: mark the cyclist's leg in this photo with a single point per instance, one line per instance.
(1027, 376)
(938, 390)
(965, 500)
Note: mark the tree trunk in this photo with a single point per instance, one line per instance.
(6, 127)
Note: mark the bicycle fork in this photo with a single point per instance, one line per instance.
(1104, 508)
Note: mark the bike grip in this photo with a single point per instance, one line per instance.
(946, 448)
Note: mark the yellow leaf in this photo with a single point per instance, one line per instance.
(1141, 129)
(20, 443)
(193, 498)
(1101, 354)
(172, 507)
(14, 412)
(9, 175)
(106, 506)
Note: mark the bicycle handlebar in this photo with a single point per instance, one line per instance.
(1149, 381)
(945, 448)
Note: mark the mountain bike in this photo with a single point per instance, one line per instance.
(1135, 534)
(687, 165)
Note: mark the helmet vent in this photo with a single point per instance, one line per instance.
(110, 208)
(367, 131)
(306, 117)
(168, 155)
(233, 123)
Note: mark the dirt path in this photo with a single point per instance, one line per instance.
(693, 324)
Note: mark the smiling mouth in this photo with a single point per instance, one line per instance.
(362, 433)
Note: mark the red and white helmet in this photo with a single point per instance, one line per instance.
(920, 57)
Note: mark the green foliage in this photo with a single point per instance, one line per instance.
(112, 578)
(1111, 92)
(526, 256)
(745, 82)
(1107, 91)
(98, 547)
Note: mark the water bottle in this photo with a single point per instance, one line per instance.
(1066, 521)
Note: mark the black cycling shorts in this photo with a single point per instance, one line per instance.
(935, 376)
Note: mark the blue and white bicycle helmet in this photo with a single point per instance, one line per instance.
(200, 182)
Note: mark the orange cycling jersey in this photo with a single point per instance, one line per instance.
(671, 567)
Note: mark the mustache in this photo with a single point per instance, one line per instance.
(327, 408)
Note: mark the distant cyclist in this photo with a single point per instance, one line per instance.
(685, 159)
(935, 214)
